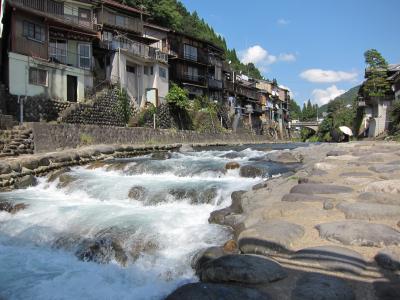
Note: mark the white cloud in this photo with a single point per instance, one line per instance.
(321, 96)
(327, 76)
(282, 21)
(262, 58)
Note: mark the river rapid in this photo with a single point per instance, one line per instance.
(86, 239)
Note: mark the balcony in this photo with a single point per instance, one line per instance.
(193, 77)
(136, 49)
(214, 83)
(56, 10)
(120, 21)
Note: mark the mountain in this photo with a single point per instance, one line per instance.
(347, 98)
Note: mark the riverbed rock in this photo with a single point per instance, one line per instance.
(333, 258)
(336, 153)
(96, 164)
(243, 269)
(270, 237)
(359, 233)
(236, 205)
(4, 168)
(295, 197)
(137, 193)
(218, 216)
(230, 247)
(12, 208)
(161, 155)
(29, 163)
(314, 188)
(381, 198)
(251, 172)
(387, 290)
(384, 186)
(206, 255)
(25, 182)
(232, 165)
(389, 258)
(213, 291)
(65, 180)
(231, 155)
(323, 166)
(286, 158)
(369, 211)
(261, 185)
(355, 174)
(52, 176)
(380, 168)
(186, 148)
(279, 210)
(195, 196)
(314, 286)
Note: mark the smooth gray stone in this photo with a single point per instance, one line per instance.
(384, 168)
(4, 168)
(314, 286)
(206, 255)
(381, 198)
(286, 158)
(295, 197)
(387, 290)
(244, 269)
(213, 291)
(333, 258)
(369, 211)
(270, 237)
(251, 172)
(105, 149)
(359, 233)
(316, 188)
(389, 259)
(356, 174)
(25, 182)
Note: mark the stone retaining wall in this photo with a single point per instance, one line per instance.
(16, 141)
(52, 137)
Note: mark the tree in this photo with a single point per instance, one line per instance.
(295, 110)
(178, 98)
(377, 84)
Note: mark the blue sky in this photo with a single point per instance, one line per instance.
(314, 47)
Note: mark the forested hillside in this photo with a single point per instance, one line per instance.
(173, 14)
(346, 98)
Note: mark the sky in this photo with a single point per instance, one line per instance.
(313, 47)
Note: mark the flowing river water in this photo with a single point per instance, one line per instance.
(88, 240)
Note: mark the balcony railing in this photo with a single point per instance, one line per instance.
(193, 77)
(124, 22)
(214, 83)
(137, 49)
(56, 10)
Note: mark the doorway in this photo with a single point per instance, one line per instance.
(72, 88)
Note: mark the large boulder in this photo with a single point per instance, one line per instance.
(314, 188)
(385, 290)
(251, 171)
(270, 237)
(137, 193)
(206, 255)
(359, 233)
(213, 291)
(30, 163)
(333, 258)
(370, 211)
(243, 269)
(25, 182)
(384, 186)
(389, 258)
(232, 165)
(314, 286)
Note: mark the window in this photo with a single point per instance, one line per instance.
(58, 51)
(148, 71)
(163, 72)
(37, 76)
(151, 71)
(84, 14)
(190, 52)
(131, 69)
(33, 31)
(120, 21)
(192, 73)
(84, 56)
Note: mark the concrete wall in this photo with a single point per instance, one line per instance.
(57, 78)
(52, 137)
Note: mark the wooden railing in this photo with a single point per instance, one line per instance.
(214, 83)
(121, 21)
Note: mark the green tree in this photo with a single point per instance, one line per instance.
(178, 99)
(295, 110)
(376, 84)
(124, 105)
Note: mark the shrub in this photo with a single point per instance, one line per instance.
(85, 139)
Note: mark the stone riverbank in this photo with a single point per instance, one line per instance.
(329, 231)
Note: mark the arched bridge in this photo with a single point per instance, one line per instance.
(313, 125)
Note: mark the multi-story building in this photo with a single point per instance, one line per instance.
(196, 65)
(47, 48)
(129, 52)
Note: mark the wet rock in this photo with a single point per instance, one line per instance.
(204, 256)
(244, 269)
(96, 164)
(231, 247)
(52, 176)
(333, 258)
(186, 148)
(213, 291)
(116, 166)
(382, 198)
(137, 193)
(25, 182)
(29, 163)
(143, 245)
(389, 258)
(208, 195)
(15, 166)
(369, 211)
(161, 155)
(336, 153)
(270, 237)
(295, 197)
(105, 149)
(259, 186)
(12, 208)
(359, 233)
(287, 158)
(231, 155)
(384, 186)
(43, 161)
(102, 251)
(387, 290)
(251, 172)
(4, 168)
(236, 205)
(322, 287)
(232, 165)
(65, 180)
(314, 188)
(384, 168)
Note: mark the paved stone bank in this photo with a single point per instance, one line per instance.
(16, 141)
(52, 137)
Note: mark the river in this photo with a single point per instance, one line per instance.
(88, 240)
